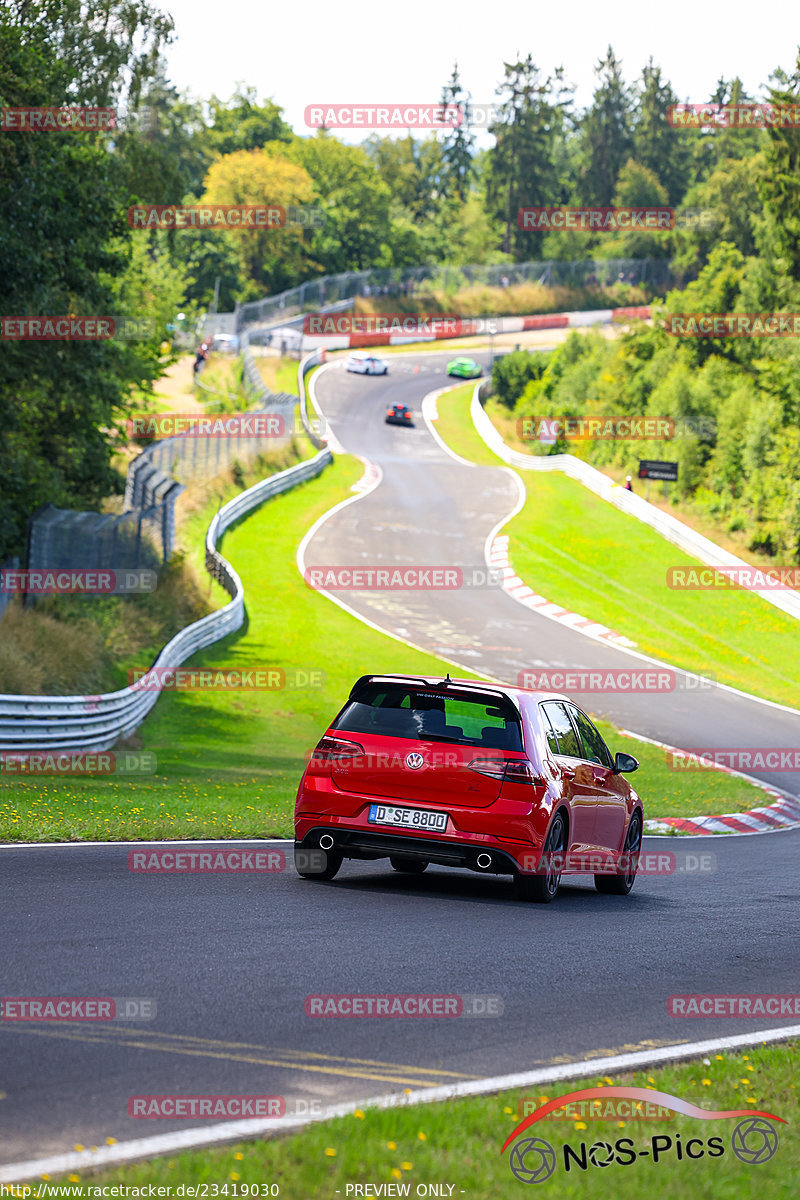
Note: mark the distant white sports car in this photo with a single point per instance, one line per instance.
(366, 364)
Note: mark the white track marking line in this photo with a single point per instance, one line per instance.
(233, 1131)
(430, 414)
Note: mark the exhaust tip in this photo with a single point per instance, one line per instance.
(326, 842)
(484, 861)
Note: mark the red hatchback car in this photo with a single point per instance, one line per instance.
(468, 774)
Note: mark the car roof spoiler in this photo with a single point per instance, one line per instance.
(364, 679)
(478, 684)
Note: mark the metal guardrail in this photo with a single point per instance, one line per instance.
(96, 722)
(315, 435)
(664, 523)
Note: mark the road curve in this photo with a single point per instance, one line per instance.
(230, 959)
(432, 509)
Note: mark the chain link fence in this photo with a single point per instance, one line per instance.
(11, 564)
(143, 535)
(61, 539)
(332, 289)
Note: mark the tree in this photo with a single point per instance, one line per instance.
(355, 204)
(606, 137)
(724, 208)
(521, 168)
(272, 258)
(412, 169)
(657, 145)
(241, 123)
(637, 187)
(163, 142)
(65, 249)
(712, 146)
(457, 145)
(780, 182)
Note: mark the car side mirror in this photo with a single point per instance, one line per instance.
(624, 763)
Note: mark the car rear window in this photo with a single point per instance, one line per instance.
(400, 710)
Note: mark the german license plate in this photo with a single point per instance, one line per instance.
(408, 818)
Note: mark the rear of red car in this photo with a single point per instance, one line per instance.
(424, 770)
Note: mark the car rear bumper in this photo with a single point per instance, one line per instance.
(370, 844)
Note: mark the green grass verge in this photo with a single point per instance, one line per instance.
(581, 552)
(279, 374)
(458, 1143)
(460, 434)
(229, 762)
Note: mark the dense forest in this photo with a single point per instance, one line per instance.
(389, 201)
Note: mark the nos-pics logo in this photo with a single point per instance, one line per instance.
(533, 1159)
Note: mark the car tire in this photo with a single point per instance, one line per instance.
(409, 866)
(333, 861)
(541, 889)
(620, 885)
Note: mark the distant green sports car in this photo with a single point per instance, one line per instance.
(464, 368)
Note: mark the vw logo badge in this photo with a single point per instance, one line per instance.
(414, 761)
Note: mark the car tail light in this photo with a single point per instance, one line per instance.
(330, 749)
(507, 770)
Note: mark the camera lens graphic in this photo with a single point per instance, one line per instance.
(532, 1161)
(754, 1141)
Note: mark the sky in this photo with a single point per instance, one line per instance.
(310, 52)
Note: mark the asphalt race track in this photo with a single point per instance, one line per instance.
(230, 959)
(431, 509)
